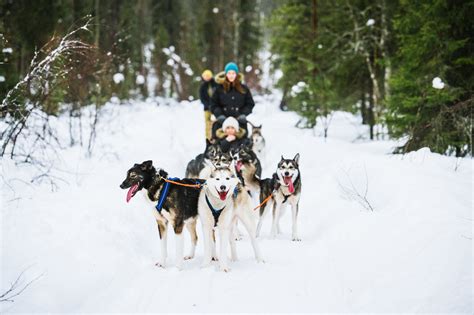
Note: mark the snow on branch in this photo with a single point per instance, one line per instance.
(28, 126)
(25, 100)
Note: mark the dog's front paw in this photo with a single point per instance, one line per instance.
(214, 258)
(296, 239)
(188, 257)
(160, 264)
(260, 260)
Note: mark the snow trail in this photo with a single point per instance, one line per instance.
(97, 253)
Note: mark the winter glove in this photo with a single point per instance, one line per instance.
(221, 119)
(242, 119)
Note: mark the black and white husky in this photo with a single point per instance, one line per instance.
(221, 203)
(179, 208)
(248, 168)
(285, 188)
(258, 141)
(202, 164)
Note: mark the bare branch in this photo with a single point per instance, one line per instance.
(353, 193)
(16, 288)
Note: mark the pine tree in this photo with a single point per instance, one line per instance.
(435, 41)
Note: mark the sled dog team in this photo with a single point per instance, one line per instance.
(221, 188)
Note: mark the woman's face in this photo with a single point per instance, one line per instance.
(231, 75)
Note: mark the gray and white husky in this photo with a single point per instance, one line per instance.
(247, 167)
(221, 202)
(258, 142)
(285, 188)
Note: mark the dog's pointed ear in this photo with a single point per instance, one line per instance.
(147, 165)
(163, 173)
(259, 127)
(208, 143)
(297, 158)
(282, 158)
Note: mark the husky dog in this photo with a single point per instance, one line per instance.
(221, 202)
(179, 207)
(258, 141)
(285, 187)
(248, 168)
(213, 156)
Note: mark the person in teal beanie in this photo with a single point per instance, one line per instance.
(231, 98)
(231, 66)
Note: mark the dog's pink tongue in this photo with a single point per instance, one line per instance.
(289, 182)
(238, 166)
(131, 191)
(222, 195)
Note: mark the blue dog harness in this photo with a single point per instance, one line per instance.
(164, 194)
(216, 213)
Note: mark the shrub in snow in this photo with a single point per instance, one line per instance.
(56, 72)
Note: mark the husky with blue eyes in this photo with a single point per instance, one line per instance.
(221, 203)
(285, 188)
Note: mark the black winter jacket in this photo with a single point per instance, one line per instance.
(205, 92)
(233, 103)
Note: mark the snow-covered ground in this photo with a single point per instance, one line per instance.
(96, 253)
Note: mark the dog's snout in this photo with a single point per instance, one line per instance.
(287, 173)
(223, 187)
(122, 185)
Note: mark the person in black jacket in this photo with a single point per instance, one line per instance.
(231, 99)
(230, 135)
(206, 90)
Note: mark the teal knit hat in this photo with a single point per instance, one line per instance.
(231, 66)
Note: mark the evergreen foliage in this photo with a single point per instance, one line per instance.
(129, 37)
(435, 40)
(380, 58)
